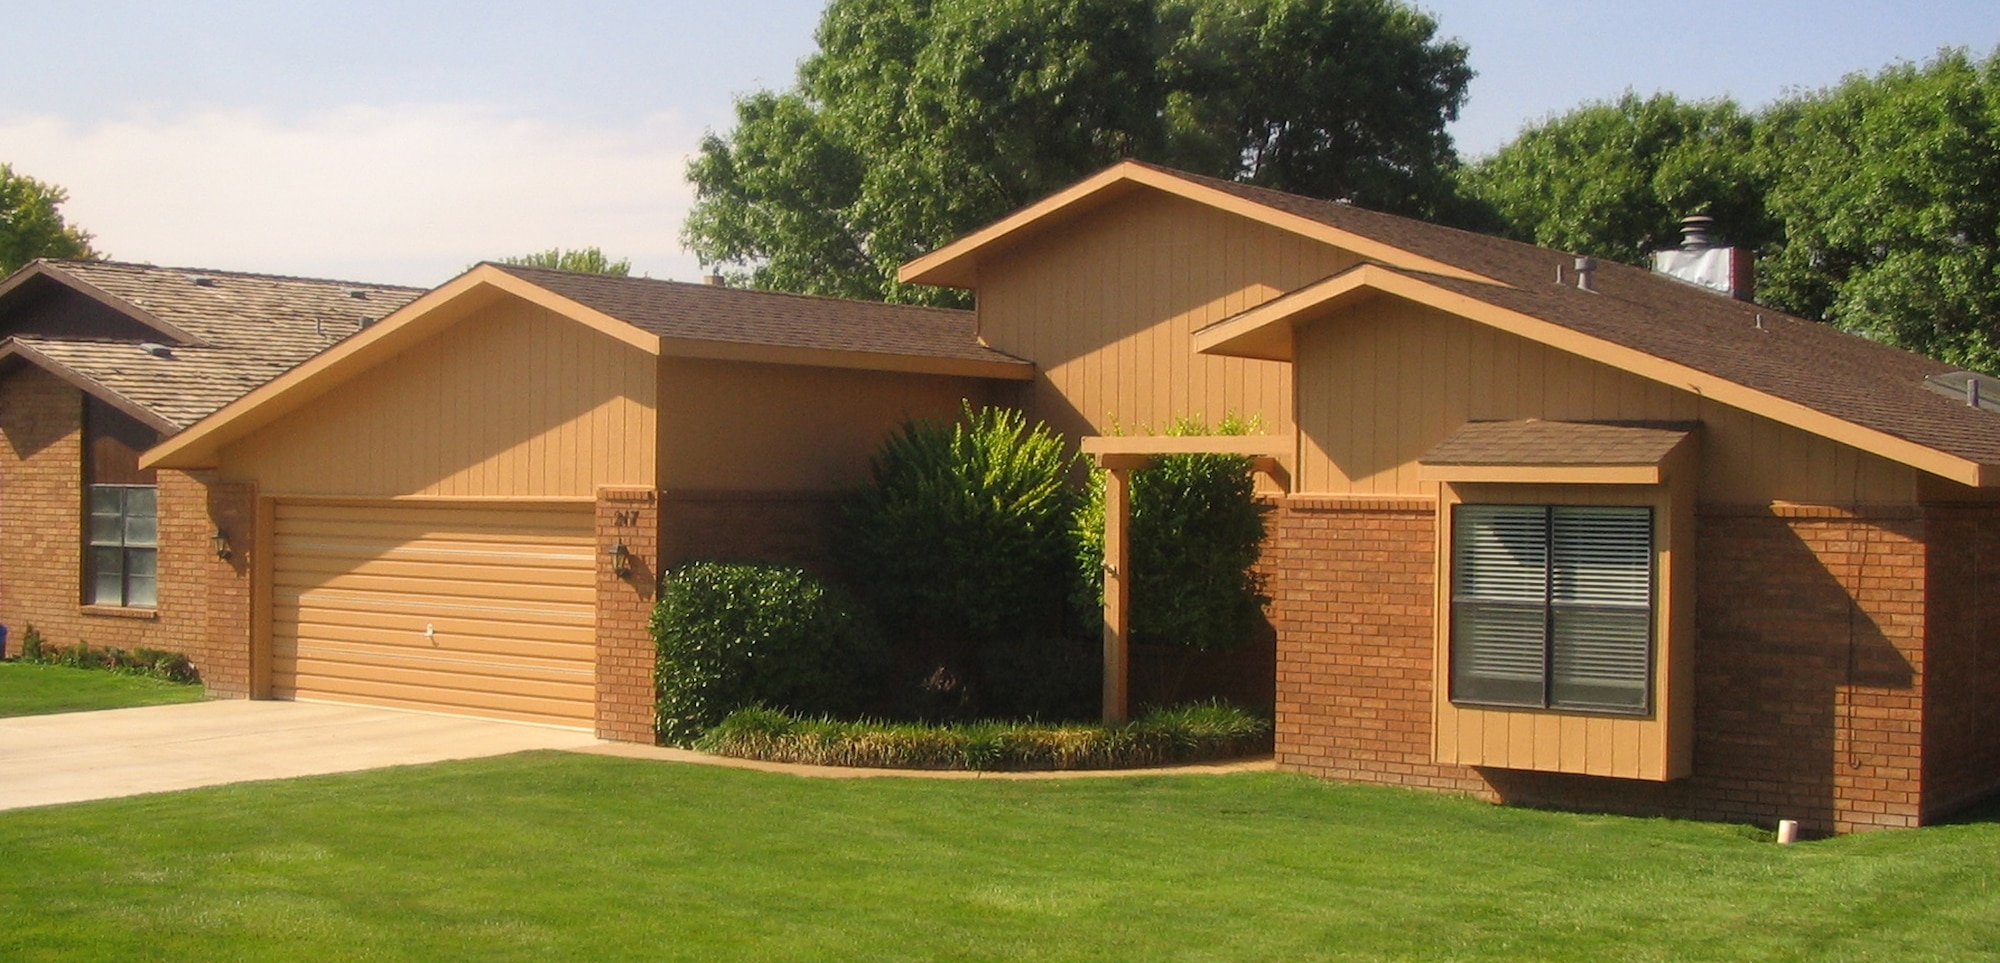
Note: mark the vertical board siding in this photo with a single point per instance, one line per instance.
(1107, 307)
(736, 426)
(515, 401)
(1378, 386)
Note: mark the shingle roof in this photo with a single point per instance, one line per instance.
(246, 330)
(1805, 362)
(1534, 442)
(703, 312)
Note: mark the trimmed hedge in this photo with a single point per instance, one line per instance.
(1190, 733)
(727, 636)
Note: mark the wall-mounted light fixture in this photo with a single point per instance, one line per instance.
(621, 560)
(220, 541)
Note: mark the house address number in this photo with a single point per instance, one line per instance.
(625, 517)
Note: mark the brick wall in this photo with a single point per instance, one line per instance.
(624, 606)
(224, 648)
(41, 535)
(1806, 707)
(1962, 690)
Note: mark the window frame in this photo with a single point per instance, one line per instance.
(124, 544)
(1550, 605)
(112, 441)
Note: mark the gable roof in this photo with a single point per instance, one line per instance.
(663, 318)
(1798, 372)
(223, 336)
(690, 316)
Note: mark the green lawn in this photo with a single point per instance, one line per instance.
(29, 689)
(552, 855)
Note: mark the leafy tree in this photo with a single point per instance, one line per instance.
(30, 224)
(919, 120)
(589, 260)
(1613, 179)
(1888, 187)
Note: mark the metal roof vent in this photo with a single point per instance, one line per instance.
(714, 280)
(201, 280)
(1695, 232)
(358, 294)
(1586, 274)
(1976, 390)
(157, 349)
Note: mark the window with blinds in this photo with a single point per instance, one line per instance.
(1552, 606)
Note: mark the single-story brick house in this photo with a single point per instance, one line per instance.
(98, 362)
(466, 507)
(1605, 541)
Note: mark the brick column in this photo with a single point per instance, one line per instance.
(631, 517)
(224, 646)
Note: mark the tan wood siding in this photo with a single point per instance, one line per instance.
(1107, 306)
(514, 401)
(735, 426)
(508, 590)
(1379, 385)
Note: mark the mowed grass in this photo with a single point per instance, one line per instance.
(560, 856)
(31, 689)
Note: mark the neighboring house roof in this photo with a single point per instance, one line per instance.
(665, 318)
(219, 334)
(685, 312)
(1798, 372)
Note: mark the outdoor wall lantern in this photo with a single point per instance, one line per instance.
(221, 542)
(621, 560)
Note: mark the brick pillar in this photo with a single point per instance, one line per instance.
(225, 643)
(631, 517)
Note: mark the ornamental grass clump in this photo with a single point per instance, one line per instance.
(1190, 733)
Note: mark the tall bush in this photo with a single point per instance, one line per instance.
(728, 636)
(1197, 529)
(963, 531)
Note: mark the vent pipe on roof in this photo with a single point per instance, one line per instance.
(714, 280)
(156, 349)
(1698, 261)
(1586, 274)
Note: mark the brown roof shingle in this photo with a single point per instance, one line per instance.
(247, 329)
(703, 312)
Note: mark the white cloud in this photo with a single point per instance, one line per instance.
(407, 194)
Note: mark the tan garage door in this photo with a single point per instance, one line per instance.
(484, 610)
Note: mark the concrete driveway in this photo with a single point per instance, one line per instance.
(126, 752)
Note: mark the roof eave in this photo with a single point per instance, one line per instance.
(1006, 370)
(957, 264)
(145, 318)
(12, 349)
(1230, 335)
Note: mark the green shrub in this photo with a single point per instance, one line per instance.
(727, 636)
(962, 532)
(155, 663)
(1047, 677)
(1191, 733)
(1197, 529)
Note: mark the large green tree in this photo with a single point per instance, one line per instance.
(1888, 188)
(1613, 179)
(589, 260)
(918, 120)
(31, 225)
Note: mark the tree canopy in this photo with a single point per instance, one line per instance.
(918, 120)
(590, 260)
(1874, 204)
(31, 225)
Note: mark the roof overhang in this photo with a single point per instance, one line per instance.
(833, 358)
(456, 300)
(54, 274)
(13, 352)
(1537, 452)
(1266, 332)
(1134, 451)
(957, 264)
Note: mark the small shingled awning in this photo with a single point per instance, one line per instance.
(1556, 452)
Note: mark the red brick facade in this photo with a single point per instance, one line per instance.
(631, 517)
(41, 555)
(1810, 665)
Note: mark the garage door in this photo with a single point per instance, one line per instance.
(481, 610)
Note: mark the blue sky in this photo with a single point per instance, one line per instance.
(403, 141)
